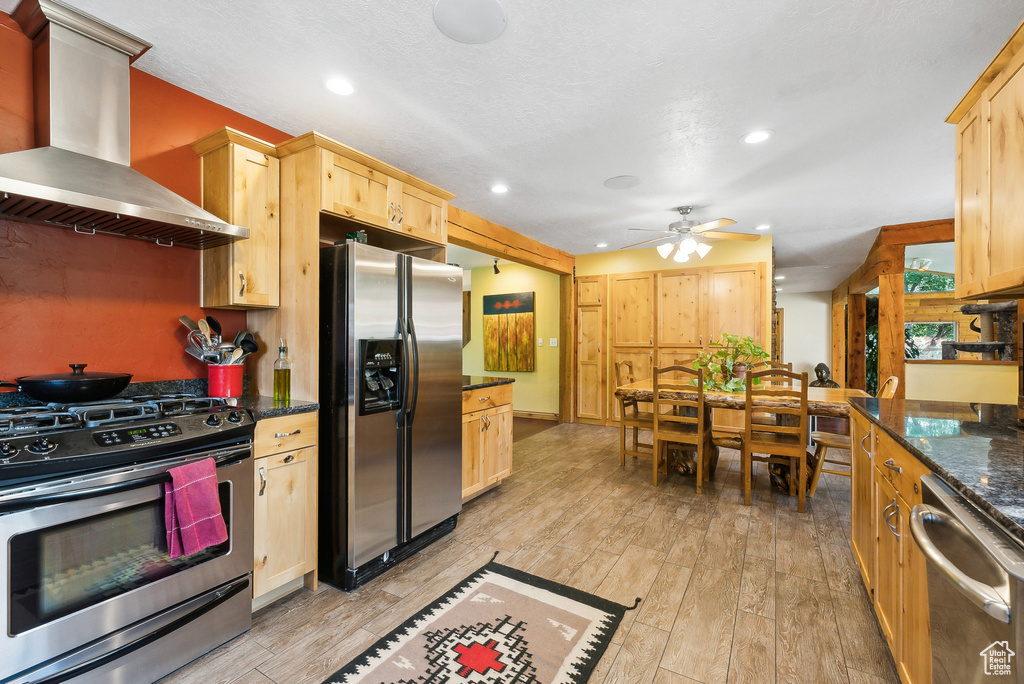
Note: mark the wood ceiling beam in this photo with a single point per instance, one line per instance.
(476, 233)
(918, 233)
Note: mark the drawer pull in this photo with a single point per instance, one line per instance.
(263, 481)
(279, 435)
(891, 465)
(483, 398)
(289, 458)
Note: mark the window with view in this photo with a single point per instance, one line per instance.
(928, 337)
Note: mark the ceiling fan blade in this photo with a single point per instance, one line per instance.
(711, 225)
(746, 237)
(645, 242)
(655, 230)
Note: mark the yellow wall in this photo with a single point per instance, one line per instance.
(723, 253)
(967, 382)
(537, 391)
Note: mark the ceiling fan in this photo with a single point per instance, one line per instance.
(686, 236)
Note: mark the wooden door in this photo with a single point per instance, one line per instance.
(971, 203)
(915, 659)
(353, 190)
(590, 290)
(284, 521)
(472, 450)
(887, 560)
(736, 301)
(679, 315)
(1003, 110)
(418, 213)
(633, 310)
(861, 503)
(497, 444)
(590, 363)
(642, 360)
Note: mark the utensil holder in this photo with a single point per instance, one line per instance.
(225, 380)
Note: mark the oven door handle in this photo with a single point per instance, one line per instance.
(222, 596)
(93, 492)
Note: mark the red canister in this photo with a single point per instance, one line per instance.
(225, 380)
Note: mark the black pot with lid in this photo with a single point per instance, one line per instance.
(76, 386)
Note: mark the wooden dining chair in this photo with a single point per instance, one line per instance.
(761, 416)
(783, 440)
(680, 421)
(633, 415)
(823, 441)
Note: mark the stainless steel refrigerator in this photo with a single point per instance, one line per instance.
(390, 449)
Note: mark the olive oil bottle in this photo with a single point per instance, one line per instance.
(282, 377)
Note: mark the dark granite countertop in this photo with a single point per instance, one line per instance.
(976, 448)
(472, 382)
(263, 407)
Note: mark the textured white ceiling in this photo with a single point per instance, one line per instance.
(573, 93)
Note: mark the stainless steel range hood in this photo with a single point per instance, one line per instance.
(80, 176)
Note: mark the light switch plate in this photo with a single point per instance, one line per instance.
(553, 342)
(540, 341)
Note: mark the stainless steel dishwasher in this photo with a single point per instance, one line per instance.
(975, 581)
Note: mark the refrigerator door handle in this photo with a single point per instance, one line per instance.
(415, 370)
(406, 373)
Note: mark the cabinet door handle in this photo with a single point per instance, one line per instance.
(391, 207)
(289, 458)
(891, 465)
(241, 287)
(279, 435)
(487, 421)
(652, 338)
(263, 481)
(895, 511)
(864, 448)
(401, 215)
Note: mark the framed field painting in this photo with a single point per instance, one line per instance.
(508, 332)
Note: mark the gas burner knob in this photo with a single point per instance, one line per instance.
(42, 446)
(7, 449)
(234, 417)
(213, 420)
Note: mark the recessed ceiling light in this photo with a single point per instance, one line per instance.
(778, 289)
(339, 86)
(601, 245)
(763, 226)
(499, 188)
(622, 182)
(470, 21)
(780, 277)
(755, 137)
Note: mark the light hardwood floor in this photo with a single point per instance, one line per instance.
(731, 593)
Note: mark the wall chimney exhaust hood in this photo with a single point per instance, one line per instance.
(80, 177)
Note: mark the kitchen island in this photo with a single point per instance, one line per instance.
(486, 433)
(977, 449)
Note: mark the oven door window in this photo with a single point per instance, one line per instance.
(66, 568)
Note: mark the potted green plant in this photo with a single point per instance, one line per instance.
(725, 364)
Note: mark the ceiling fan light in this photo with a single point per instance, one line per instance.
(702, 249)
(689, 245)
(665, 249)
(681, 257)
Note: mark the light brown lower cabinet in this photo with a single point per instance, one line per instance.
(285, 495)
(892, 565)
(486, 446)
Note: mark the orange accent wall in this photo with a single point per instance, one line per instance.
(110, 302)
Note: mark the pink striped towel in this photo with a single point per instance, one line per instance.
(192, 513)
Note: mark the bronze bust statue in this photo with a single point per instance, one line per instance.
(824, 377)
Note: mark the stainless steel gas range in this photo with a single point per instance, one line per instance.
(90, 593)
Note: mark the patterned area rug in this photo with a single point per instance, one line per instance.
(497, 625)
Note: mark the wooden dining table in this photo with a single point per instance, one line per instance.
(821, 401)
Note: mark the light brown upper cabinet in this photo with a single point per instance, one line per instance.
(989, 174)
(356, 187)
(241, 185)
(633, 297)
(680, 323)
(736, 301)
